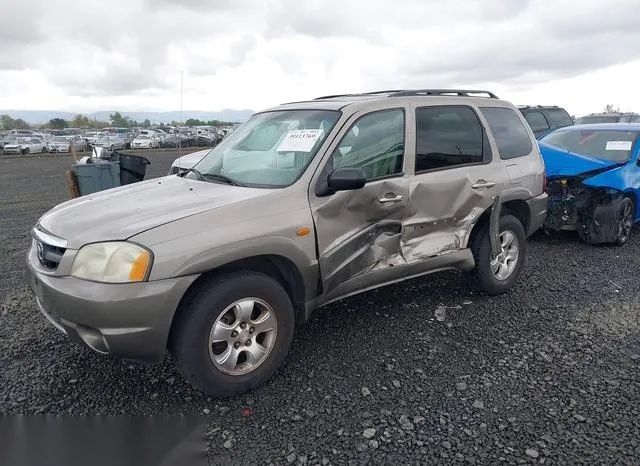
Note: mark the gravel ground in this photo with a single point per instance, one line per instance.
(423, 371)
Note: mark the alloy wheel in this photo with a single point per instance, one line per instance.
(503, 265)
(242, 336)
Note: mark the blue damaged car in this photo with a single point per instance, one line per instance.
(593, 180)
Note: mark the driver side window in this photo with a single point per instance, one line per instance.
(375, 144)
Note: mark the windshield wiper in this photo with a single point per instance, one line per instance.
(193, 170)
(222, 178)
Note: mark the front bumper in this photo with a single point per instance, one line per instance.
(537, 212)
(130, 321)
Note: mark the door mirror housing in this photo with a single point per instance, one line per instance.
(346, 179)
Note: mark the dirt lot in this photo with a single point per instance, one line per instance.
(549, 373)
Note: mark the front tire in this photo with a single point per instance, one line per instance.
(625, 225)
(26, 151)
(232, 333)
(496, 276)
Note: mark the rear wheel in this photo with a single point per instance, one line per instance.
(497, 275)
(232, 333)
(625, 222)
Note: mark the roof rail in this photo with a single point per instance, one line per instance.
(357, 94)
(415, 92)
(446, 92)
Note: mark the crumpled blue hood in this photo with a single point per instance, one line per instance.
(559, 162)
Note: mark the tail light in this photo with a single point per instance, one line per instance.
(544, 182)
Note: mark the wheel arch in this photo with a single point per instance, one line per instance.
(278, 267)
(516, 207)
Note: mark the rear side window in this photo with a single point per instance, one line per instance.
(559, 117)
(512, 138)
(449, 136)
(537, 121)
(635, 119)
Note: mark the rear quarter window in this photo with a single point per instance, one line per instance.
(511, 136)
(536, 120)
(559, 117)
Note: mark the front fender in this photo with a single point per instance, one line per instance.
(217, 257)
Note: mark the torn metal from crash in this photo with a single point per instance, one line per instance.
(596, 213)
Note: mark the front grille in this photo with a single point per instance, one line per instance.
(49, 249)
(48, 255)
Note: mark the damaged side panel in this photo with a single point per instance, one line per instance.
(357, 233)
(443, 209)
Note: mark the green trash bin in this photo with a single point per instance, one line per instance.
(97, 176)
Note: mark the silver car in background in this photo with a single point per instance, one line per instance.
(111, 142)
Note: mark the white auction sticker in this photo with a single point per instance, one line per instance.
(299, 140)
(618, 145)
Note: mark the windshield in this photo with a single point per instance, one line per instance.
(142, 136)
(598, 119)
(271, 149)
(610, 145)
(59, 139)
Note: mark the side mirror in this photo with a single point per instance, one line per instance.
(346, 179)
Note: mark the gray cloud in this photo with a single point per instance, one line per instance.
(108, 83)
(94, 49)
(548, 46)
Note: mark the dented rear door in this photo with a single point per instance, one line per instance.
(359, 232)
(454, 180)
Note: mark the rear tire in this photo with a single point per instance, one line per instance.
(486, 277)
(205, 309)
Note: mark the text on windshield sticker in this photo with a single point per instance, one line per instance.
(299, 140)
(618, 145)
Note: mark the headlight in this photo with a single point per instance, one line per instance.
(112, 262)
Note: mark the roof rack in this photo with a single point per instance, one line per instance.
(537, 106)
(416, 92)
(357, 94)
(445, 92)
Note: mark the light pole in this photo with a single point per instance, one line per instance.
(181, 122)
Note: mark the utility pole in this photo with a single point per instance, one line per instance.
(181, 122)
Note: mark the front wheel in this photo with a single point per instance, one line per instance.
(26, 151)
(625, 223)
(497, 275)
(232, 333)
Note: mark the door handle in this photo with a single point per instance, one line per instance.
(388, 198)
(483, 184)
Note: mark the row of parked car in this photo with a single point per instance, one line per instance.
(33, 142)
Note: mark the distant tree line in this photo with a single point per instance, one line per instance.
(116, 120)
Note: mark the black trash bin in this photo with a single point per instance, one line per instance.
(132, 167)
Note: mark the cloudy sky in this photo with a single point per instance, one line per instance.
(86, 55)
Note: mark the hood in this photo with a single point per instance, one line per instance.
(559, 162)
(119, 213)
(189, 160)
